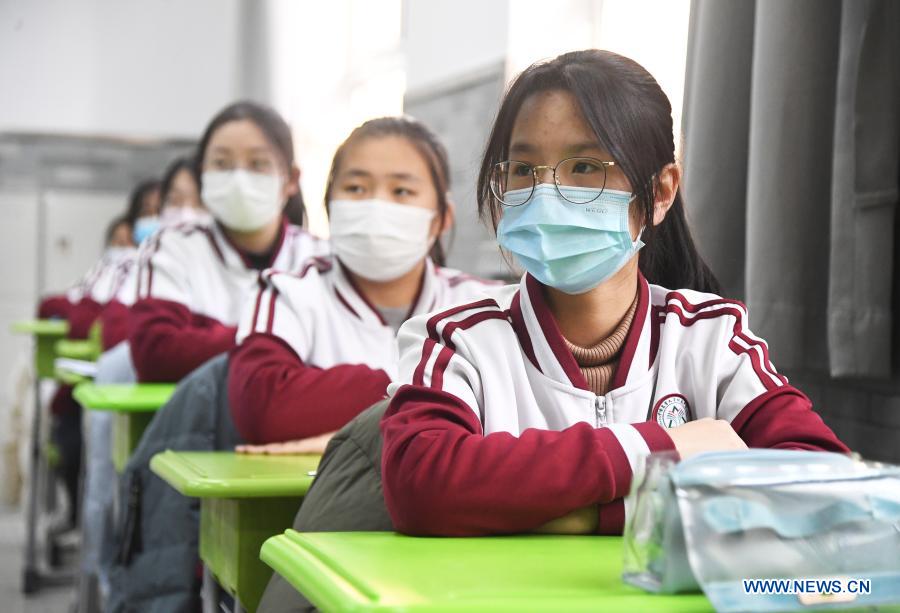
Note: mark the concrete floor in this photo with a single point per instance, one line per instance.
(56, 599)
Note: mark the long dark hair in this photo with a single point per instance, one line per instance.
(428, 145)
(632, 120)
(136, 199)
(177, 165)
(276, 131)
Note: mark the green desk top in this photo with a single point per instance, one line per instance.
(41, 327)
(127, 398)
(68, 377)
(383, 571)
(77, 349)
(225, 474)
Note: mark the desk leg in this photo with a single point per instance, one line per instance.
(31, 578)
(209, 592)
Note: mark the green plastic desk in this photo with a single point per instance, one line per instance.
(78, 349)
(46, 333)
(134, 406)
(245, 499)
(384, 571)
(68, 377)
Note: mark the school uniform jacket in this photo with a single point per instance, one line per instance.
(191, 285)
(313, 352)
(114, 317)
(493, 428)
(83, 302)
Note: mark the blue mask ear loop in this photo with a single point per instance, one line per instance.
(634, 243)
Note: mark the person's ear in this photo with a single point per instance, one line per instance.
(449, 216)
(666, 187)
(292, 185)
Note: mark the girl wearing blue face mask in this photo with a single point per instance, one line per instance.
(143, 210)
(532, 408)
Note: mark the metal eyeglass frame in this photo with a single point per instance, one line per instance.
(535, 180)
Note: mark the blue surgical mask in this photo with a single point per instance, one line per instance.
(570, 247)
(144, 227)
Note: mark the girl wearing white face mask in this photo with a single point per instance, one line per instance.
(317, 348)
(193, 278)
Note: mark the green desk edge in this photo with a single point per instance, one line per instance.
(68, 377)
(225, 474)
(45, 332)
(124, 398)
(86, 350)
(41, 327)
(384, 571)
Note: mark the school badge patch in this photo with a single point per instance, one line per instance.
(671, 411)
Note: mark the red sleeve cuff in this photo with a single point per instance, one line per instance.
(655, 436)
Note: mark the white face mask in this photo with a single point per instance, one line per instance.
(178, 215)
(377, 239)
(242, 200)
(117, 254)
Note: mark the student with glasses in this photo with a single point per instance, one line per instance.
(532, 410)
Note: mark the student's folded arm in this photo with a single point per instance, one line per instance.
(276, 393)
(275, 397)
(784, 419)
(763, 408)
(443, 476)
(54, 307)
(168, 341)
(82, 316)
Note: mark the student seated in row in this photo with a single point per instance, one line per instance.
(317, 347)
(179, 205)
(192, 282)
(533, 409)
(194, 278)
(81, 306)
(338, 316)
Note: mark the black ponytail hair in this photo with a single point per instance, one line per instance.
(276, 130)
(428, 145)
(632, 119)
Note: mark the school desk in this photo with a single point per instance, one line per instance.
(86, 349)
(70, 371)
(384, 571)
(134, 405)
(46, 333)
(76, 358)
(245, 499)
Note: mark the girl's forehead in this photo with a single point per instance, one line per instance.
(550, 120)
(384, 156)
(241, 134)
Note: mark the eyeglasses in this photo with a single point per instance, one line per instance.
(588, 174)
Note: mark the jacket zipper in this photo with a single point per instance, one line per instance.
(600, 410)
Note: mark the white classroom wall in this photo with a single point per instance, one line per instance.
(136, 68)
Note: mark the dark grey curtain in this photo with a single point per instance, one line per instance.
(792, 162)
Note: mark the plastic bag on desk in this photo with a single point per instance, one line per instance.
(655, 552)
(719, 519)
